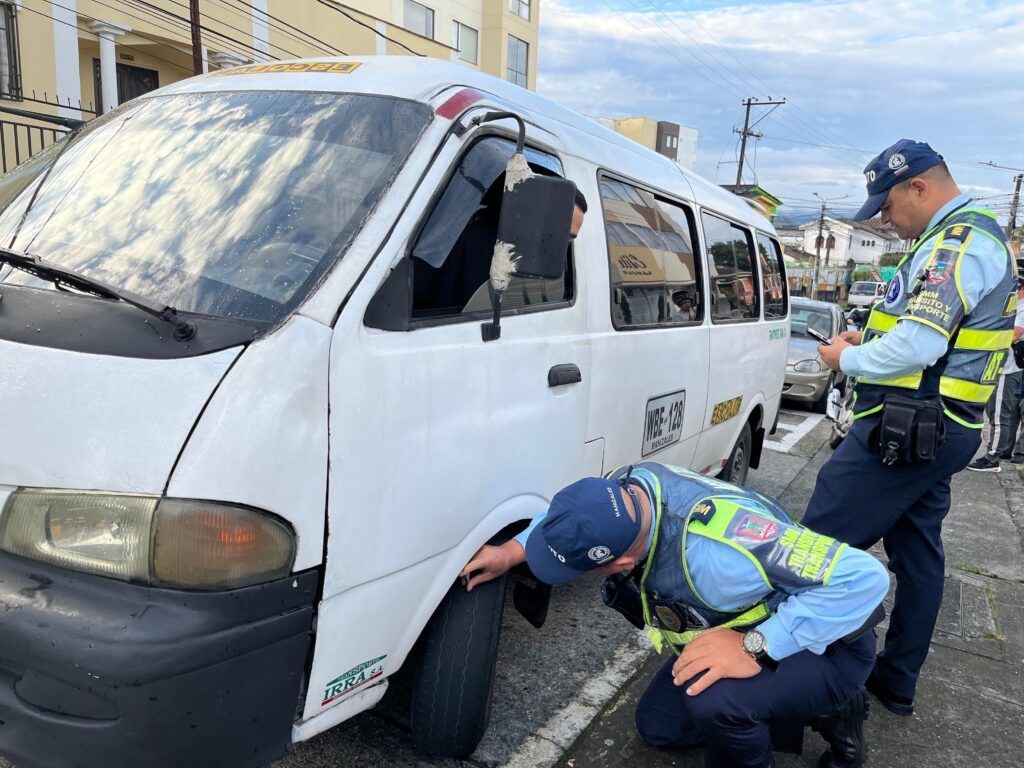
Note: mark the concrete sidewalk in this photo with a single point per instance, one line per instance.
(970, 703)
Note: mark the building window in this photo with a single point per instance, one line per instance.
(520, 8)
(10, 56)
(419, 19)
(655, 277)
(518, 55)
(465, 40)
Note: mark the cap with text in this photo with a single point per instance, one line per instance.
(587, 526)
(903, 160)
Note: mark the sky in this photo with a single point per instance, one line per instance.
(857, 75)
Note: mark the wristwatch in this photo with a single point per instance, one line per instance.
(755, 644)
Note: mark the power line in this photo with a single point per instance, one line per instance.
(281, 25)
(721, 82)
(89, 31)
(352, 18)
(158, 10)
(813, 126)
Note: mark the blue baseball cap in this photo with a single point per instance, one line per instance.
(903, 160)
(587, 526)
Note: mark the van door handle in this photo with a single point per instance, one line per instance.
(566, 373)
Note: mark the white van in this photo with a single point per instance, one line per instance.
(865, 293)
(250, 433)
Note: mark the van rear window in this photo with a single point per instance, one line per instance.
(230, 204)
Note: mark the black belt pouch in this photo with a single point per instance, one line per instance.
(911, 430)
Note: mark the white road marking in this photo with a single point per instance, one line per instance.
(788, 435)
(544, 748)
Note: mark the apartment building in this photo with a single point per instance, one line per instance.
(674, 141)
(80, 58)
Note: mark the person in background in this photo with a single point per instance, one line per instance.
(1005, 407)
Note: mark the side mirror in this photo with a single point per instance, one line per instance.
(533, 232)
(536, 214)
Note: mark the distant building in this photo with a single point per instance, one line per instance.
(845, 239)
(768, 202)
(674, 141)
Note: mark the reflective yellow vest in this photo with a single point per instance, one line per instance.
(979, 340)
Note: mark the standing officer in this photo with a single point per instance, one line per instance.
(926, 363)
(707, 562)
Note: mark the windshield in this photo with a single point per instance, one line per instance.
(230, 204)
(868, 288)
(813, 317)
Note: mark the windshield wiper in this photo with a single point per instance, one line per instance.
(183, 329)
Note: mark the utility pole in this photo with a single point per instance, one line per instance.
(817, 248)
(197, 42)
(1013, 205)
(1012, 224)
(747, 131)
(820, 240)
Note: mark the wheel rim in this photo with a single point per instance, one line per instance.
(739, 464)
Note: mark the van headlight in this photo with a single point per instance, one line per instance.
(807, 366)
(159, 541)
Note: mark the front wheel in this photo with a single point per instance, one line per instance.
(735, 470)
(452, 682)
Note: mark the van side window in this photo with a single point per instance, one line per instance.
(731, 270)
(451, 258)
(655, 277)
(773, 284)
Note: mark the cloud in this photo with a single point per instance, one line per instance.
(856, 74)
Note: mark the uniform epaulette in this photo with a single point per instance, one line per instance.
(958, 232)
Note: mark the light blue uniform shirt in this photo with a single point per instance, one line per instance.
(809, 620)
(912, 346)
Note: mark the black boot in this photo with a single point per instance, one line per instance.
(843, 729)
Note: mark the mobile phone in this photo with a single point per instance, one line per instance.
(819, 336)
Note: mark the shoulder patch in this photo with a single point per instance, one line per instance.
(702, 511)
(755, 528)
(958, 232)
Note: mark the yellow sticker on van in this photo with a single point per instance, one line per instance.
(726, 410)
(329, 67)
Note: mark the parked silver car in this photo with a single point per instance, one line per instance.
(808, 379)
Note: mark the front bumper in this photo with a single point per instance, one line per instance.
(805, 387)
(97, 673)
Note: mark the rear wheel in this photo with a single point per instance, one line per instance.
(736, 467)
(451, 686)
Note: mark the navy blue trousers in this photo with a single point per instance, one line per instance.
(739, 721)
(859, 500)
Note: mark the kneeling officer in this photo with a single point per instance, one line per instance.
(771, 623)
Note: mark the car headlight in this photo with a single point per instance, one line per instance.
(808, 366)
(164, 542)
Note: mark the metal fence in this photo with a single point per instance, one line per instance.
(22, 136)
(20, 140)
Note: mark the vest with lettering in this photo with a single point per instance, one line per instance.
(979, 340)
(789, 557)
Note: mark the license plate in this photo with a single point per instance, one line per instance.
(663, 422)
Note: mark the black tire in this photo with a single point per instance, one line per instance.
(451, 686)
(735, 470)
(821, 404)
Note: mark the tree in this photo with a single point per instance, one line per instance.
(890, 259)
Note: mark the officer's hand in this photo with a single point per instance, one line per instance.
(491, 562)
(851, 337)
(720, 652)
(830, 353)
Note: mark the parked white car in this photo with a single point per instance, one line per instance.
(253, 421)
